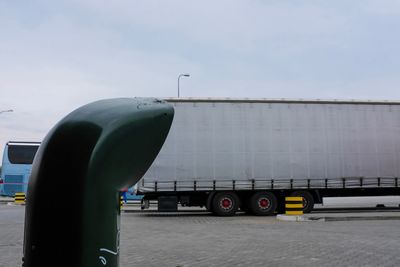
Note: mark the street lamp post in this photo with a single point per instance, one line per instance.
(179, 77)
(3, 111)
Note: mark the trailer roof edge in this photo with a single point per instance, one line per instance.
(283, 100)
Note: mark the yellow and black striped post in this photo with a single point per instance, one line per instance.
(19, 198)
(121, 202)
(294, 205)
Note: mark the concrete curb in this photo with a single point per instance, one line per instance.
(288, 218)
(291, 218)
(361, 218)
(6, 200)
(15, 204)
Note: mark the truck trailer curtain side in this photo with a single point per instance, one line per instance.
(248, 146)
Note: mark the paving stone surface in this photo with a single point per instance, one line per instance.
(199, 239)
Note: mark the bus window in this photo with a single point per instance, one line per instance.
(21, 154)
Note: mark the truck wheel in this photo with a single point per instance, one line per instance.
(225, 204)
(308, 200)
(209, 202)
(263, 203)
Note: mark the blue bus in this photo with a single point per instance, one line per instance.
(16, 167)
(130, 194)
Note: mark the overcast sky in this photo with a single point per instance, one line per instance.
(58, 55)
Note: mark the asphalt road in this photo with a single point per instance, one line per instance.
(195, 238)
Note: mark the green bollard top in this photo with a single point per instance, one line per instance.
(85, 160)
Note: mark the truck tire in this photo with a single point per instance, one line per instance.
(209, 202)
(263, 203)
(225, 204)
(308, 200)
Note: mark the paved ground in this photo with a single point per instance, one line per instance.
(195, 238)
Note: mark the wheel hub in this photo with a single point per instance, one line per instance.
(263, 203)
(226, 203)
(305, 202)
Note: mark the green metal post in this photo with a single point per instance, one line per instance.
(72, 213)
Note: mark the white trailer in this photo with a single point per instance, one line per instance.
(227, 154)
